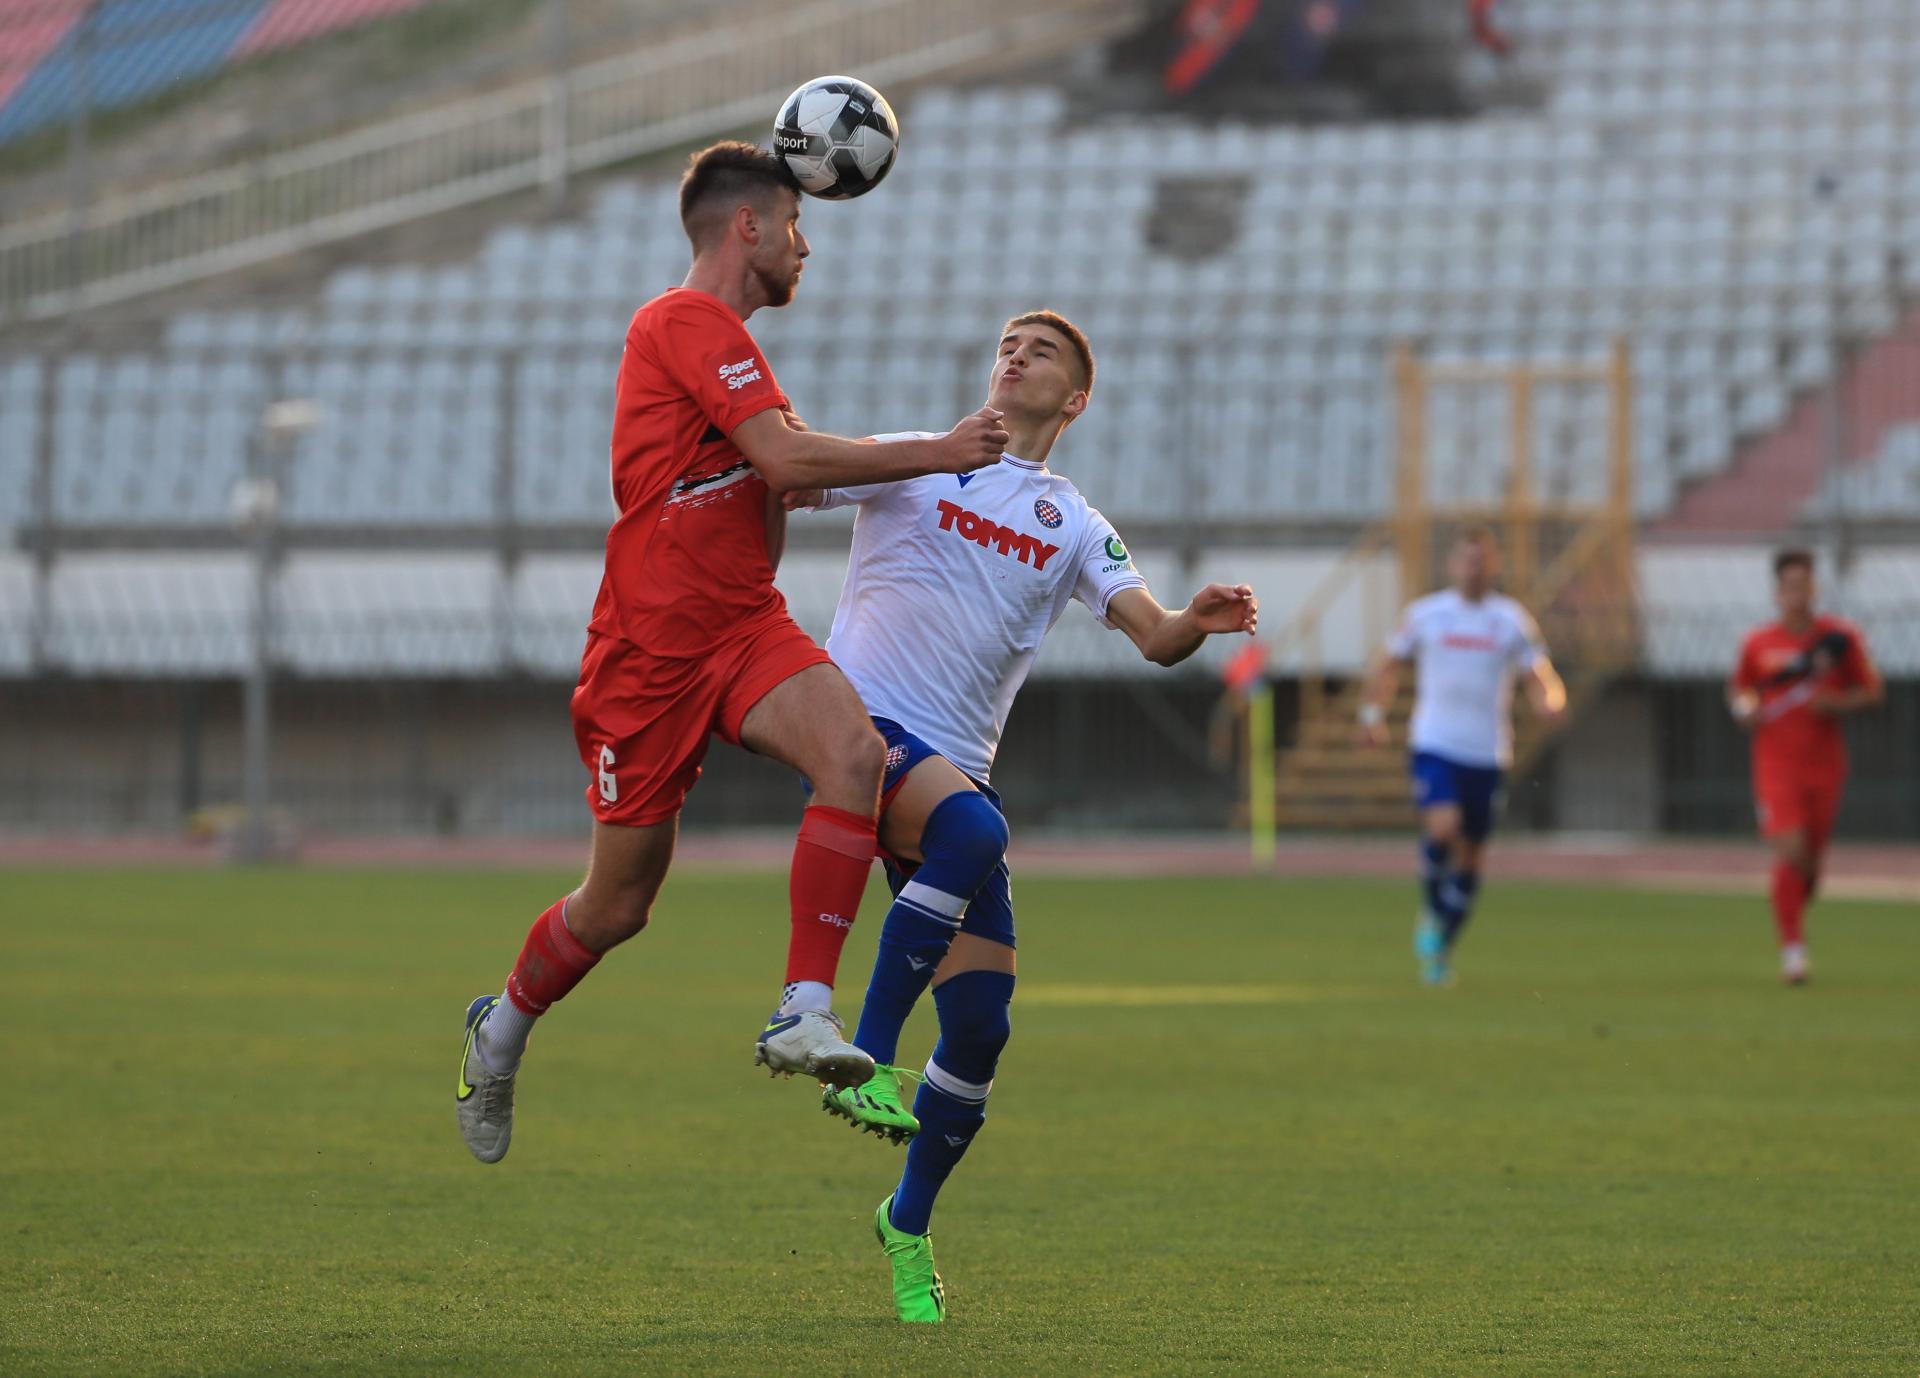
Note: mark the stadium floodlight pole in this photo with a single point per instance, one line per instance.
(256, 508)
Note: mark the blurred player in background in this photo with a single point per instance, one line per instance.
(1469, 644)
(951, 585)
(689, 638)
(1796, 677)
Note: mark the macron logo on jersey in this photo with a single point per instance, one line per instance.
(985, 532)
(737, 376)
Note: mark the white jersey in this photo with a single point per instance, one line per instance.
(952, 582)
(1468, 654)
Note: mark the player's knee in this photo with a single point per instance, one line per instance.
(974, 1022)
(858, 755)
(605, 918)
(635, 912)
(966, 829)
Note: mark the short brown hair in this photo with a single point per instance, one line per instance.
(725, 176)
(1053, 320)
(1793, 557)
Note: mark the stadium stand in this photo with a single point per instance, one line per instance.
(1744, 224)
(108, 53)
(1888, 486)
(1734, 229)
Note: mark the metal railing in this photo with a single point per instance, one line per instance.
(525, 136)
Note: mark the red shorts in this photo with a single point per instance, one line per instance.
(642, 722)
(1789, 801)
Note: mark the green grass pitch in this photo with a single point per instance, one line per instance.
(1231, 1135)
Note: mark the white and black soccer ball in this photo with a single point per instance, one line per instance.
(838, 136)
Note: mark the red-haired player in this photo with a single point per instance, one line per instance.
(1796, 677)
(689, 638)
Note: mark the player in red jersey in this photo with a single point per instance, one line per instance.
(1795, 679)
(690, 639)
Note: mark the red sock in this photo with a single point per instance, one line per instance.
(830, 862)
(1789, 901)
(551, 963)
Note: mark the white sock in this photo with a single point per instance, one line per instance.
(502, 1039)
(806, 995)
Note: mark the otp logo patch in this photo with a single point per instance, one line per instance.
(989, 534)
(1048, 514)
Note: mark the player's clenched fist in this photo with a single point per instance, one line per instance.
(979, 440)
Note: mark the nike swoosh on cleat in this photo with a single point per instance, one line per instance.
(466, 1090)
(473, 1031)
(775, 1026)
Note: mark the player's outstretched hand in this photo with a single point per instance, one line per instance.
(1219, 608)
(979, 440)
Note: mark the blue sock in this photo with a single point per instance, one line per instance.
(1434, 857)
(952, 1104)
(1462, 888)
(963, 841)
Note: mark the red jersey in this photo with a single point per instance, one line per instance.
(1786, 671)
(687, 560)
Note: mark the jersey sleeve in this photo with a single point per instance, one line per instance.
(1856, 664)
(1529, 647)
(859, 497)
(1404, 644)
(710, 355)
(871, 492)
(1105, 567)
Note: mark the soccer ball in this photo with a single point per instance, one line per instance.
(838, 137)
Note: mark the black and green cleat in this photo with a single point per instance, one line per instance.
(874, 1107)
(919, 1296)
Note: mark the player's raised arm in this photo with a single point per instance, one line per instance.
(789, 458)
(1167, 638)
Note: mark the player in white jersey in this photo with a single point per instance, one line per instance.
(1469, 644)
(951, 585)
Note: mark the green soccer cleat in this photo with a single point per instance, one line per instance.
(1430, 947)
(919, 1296)
(874, 1107)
